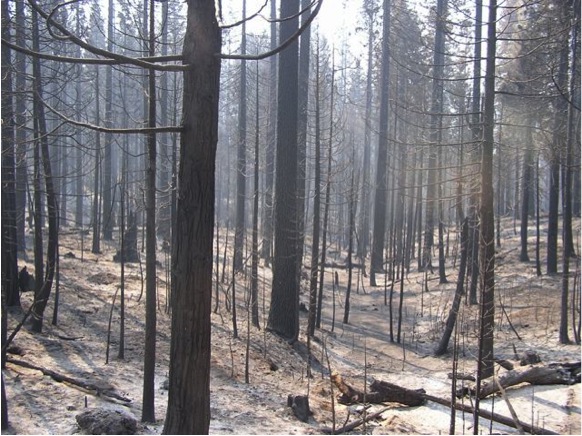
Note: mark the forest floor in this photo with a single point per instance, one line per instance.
(360, 350)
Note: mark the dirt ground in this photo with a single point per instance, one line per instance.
(360, 350)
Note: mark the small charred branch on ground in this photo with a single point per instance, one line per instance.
(461, 376)
(61, 378)
(484, 413)
(355, 424)
(505, 364)
(380, 392)
(552, 374)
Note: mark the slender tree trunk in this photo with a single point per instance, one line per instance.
(554, 198)
(569, 157)
(10, 294)
(537, 178)
(314, 312)
(96, 242)
(255, 249)
(381, 175)
(525, 192)
(303, 100)
(558, 140)
(454, 312)
(435, 134)
(477, 132)
(327, 201)
(164, 161)
(351, 225)
(41, 297)
(364, 240)
(21, 86)
(241, 176)
(487, 245)
(148, 407)
(38, 210)
(270, 149)
(107, 220)
(121, 354)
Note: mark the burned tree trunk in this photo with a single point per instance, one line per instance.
(380, 392)
(444, 343)
(552, 374)
(129, 252)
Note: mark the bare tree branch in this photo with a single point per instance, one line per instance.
(249, 18)
(141, 130)
(281, 47)
(96, 61)
(101, 52)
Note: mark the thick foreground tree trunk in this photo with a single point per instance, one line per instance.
(284, 311)
(188, 409)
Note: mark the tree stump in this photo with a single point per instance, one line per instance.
(300, 406)
(529, 357)
(130, 252)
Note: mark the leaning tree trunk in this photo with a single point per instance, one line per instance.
(452, 319)
(43, 292)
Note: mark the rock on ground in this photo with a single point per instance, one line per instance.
(103, 421)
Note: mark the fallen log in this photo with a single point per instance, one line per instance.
(483, 413)
(389, 392)
(353, 395)
(99, 391)
(553, 374)
(380, 392)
